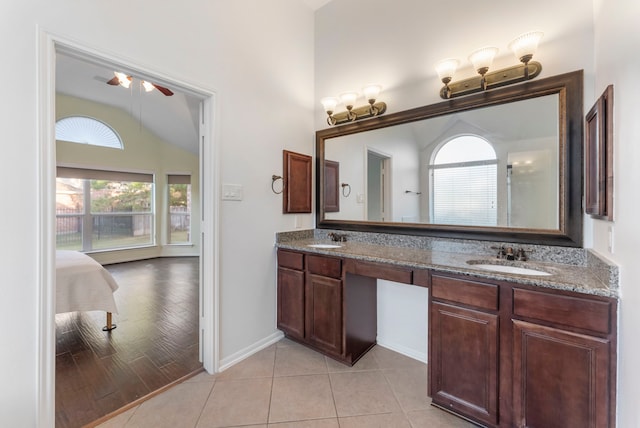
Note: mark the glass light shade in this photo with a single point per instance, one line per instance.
(526, 44)
(371, 92)
(123, 79)
(148, 86)
(447, 68)
(482, 58)
(329, 104)
(348, 98)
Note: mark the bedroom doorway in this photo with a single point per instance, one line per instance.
(204, 217)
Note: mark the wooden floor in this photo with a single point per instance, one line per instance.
(155, 343)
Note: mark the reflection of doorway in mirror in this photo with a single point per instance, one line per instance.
(378, 186)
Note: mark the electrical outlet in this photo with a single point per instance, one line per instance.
(360, 198)
(232, 192)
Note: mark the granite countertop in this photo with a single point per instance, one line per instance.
(563, 276)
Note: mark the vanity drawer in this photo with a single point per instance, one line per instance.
(380, 271)
(325, 266)
(572, 311)
(290, 260)
(471, 293)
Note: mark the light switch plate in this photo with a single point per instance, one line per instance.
(360, 198)
(232, 192)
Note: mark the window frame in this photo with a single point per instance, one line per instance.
(433, 166)
(179, 179)
(88, 215)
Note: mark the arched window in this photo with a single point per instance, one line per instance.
(86, 130)
(464, 183)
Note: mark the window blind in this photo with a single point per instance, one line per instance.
(178, 179)
(465, 194)
(98, 174)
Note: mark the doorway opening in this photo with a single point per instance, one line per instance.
(206, 216)
(378, 186)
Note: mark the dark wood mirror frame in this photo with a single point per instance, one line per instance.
(568, 86)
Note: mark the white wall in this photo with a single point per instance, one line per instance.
(397, 44)
(256, 55)
(616, 35)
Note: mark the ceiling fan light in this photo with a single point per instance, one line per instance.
(123, 79)
(148, 86)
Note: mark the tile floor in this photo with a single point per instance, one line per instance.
(289, 386)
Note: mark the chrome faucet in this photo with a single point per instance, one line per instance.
(508, 253)
(337, 237)
(520, 255)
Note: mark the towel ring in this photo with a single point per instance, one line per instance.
(346, 190)
(275, 178)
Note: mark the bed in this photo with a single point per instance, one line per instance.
(84, 285)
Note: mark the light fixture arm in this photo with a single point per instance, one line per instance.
(357, 113)
(518, 73)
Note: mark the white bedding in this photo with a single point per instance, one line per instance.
(83, 284)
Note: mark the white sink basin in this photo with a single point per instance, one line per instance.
(324, 245)
(510, 269)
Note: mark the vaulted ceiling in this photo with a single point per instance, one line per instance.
(174, 119)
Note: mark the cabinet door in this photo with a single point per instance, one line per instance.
(291, 293)
(463, 365)
(324, 313)
(561, 379)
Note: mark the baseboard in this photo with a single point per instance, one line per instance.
(401, 349)
(242, 354)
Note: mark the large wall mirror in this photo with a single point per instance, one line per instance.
(501, 165)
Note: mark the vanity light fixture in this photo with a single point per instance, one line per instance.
(523, 46)
(352, 113)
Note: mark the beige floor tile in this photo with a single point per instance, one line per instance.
(436, 418)
(362, 393)
(202, 377)
(259, 364)
(179, 406)
(367, 362)
(237, 402)
(285, 342)
(296, 398)
(298, 360)
(388, 359)
(120, 420)
(316, 423)
(387, 420)
(409, 387)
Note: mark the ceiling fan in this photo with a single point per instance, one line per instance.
(125, 80)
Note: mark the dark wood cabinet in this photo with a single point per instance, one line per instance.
(560, 379)
(501, 354)
(291, 302)
(463, 347)
(506, 355)
(316, 309)
(297, 183)
(563, 360)
(324, 313)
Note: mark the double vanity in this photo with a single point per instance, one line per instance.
(522, 320)
(511, 343)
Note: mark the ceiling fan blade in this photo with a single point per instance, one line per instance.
(162, 89)
(114, 81)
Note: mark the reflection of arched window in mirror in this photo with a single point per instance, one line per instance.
(464, 183)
